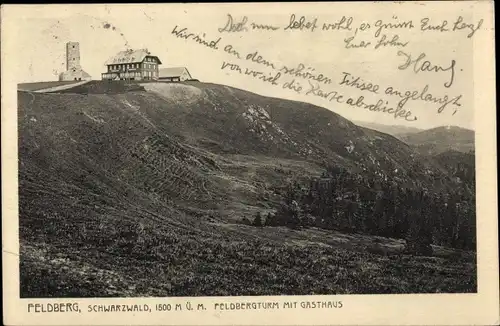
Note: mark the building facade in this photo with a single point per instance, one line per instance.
(132, 65)
(74, 69)
(174, 74)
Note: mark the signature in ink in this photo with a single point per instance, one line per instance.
(419, 64)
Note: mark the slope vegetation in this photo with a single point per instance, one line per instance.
(132, 190)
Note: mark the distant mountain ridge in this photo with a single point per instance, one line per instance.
(394, 130)
(429, 141)
(442, 139)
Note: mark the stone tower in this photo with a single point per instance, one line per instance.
(72, 55)
(74, 70)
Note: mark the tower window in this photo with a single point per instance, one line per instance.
(73, 46)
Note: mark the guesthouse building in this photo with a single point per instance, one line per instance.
(174, 74)
(132, 65)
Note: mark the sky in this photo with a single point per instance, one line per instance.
(41, 33)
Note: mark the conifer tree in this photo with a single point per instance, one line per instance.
(257, 220)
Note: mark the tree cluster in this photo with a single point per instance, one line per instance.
(356, 204)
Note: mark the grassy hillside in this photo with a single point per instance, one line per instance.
(140, 191)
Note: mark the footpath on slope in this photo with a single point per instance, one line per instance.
(61, 87)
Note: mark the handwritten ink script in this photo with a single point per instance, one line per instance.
(242, 25)
(398, 37)
(419, 65)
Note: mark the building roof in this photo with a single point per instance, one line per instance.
(172, 72)
(130, 56)
(82, 72)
